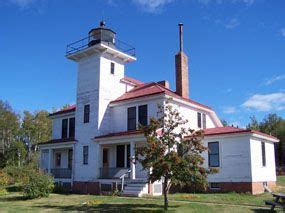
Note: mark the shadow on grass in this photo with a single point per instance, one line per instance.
(114, 207)
(13, 198)
(262, 210)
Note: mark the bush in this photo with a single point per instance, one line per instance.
(4, 180)
(19, 175)
(39, 185)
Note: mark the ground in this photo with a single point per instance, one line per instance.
(206, 202)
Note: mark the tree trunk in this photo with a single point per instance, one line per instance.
(165, 193)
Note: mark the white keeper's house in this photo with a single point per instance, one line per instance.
(93, 142)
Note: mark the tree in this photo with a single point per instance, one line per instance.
(9, 126)
(224, 122)
(254, 125)
(173, 152)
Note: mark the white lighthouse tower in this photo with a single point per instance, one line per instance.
(101, 59)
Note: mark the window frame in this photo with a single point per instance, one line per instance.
(86, 113)
(64, 128)
(112, 68)
(85, 152)
(143, 117)
(263, 153)
(204, 121)
(199, 119)
(133, 118)
(211, 154)
(71, 128)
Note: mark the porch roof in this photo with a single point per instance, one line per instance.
(117, 134)
(59, 141)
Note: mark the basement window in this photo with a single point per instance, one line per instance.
(215, 186)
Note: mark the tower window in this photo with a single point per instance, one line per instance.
(85, 155)
(204, 121)
(86, 113)
(112, 68)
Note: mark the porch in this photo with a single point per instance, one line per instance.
(118, 159)
(57, 160)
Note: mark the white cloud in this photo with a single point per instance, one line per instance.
(282, 32)
(233, 23)
(152, 5)
(229, 110)
(267, 102)
(274, 79)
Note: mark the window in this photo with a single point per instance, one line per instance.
(215, 186)
(199, 124)
(204, 121)
(263, 153)
(57, 159)
(132, 119)
(112, 68)
(85, 154)
(70, 156)
(86, 113)
(213, 154)
(64, 128)
(143, 115)
(71, 127)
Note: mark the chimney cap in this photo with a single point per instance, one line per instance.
(180, 24)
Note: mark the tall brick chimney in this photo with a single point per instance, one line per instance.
(181, 66)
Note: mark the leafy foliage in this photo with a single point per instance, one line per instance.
(173, 152)
(4, 180)
(38, 185)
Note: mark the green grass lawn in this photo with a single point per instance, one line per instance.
(199, 202)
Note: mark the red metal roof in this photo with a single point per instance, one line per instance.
(68, 109)
(233, 130)
(152, 88)
(132, 80)
(57, 141)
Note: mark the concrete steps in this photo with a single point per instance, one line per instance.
(135, 189)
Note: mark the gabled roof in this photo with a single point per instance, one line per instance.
(233, 130)
(68, 109)
(152, 88)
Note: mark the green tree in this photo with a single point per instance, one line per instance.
(173, 152)
(9, 129)
(254, 125)
(16, 154)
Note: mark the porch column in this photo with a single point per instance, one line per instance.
(132, 160)
(49, 160)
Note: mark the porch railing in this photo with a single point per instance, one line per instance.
(61, 173)
(113, 173)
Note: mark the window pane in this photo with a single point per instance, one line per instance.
(132, 118)
(214, 161)
(71, 127)
(199, 120)
(64, 128)
(86, 113)
(85, 154)
(214, 148)
(112, 68)
(143, 115)
(263, 154)
(213, 154)
(204, 121)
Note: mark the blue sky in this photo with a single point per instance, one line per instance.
(236, 50)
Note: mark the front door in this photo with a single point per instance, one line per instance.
(105, 169)
(120, 156)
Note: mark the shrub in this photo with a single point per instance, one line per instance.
(39, 185)
(4, 180)
(19, 175)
